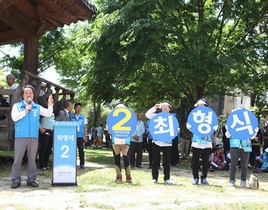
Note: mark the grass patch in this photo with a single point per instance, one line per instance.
(101, 206)
(97, 183)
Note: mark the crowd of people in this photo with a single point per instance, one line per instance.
(206, 156)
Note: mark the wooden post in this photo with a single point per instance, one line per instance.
(31, 54)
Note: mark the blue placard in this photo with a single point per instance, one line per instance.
(64, 152)
(242, 124)
(122, 123)
(164, 127)
(202, 121)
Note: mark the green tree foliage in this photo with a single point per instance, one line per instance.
(145, 51)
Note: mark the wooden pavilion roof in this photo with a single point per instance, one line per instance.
(19, 18)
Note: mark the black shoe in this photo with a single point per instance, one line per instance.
(43, 169)
(32, 184)
(15, 185)
(139, 166)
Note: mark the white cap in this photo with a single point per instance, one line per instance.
(200, 101)
(266, 150)
(43, 84)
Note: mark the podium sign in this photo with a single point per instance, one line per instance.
(64, 153)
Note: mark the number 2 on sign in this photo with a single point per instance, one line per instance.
(119, 126)
(66, 150)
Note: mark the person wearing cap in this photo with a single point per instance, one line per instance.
(262, 162)
(217, 159)
(11, 82)
(26, 80)
(201, 149)
(158, 146)
(43, 88)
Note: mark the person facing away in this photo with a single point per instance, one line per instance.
(26, 115)
(239, 150)
(123, 148)
(100, 132)
(136, 143)
(65, 114)
(81, 133)
(158, 146)
(201, 147)
(46, 139)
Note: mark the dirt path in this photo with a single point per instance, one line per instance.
(140, 195)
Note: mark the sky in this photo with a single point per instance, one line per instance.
(50, 74)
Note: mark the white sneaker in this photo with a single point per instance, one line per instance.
(154, 181)
(168, 182)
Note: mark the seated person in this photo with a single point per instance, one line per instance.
(3, 102)
(217, 159)
(262, 162)
(97, 142)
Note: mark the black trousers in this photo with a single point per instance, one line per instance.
(156, 161)
(204, 155)
(175, 159)
(256, 151)
(46, 143)
(135, 148)
(80, 145)
(150, 151)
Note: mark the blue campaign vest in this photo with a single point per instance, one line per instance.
(81, 121)
(127, 140)
(28, 126)
(201, 140)
(265, 161)
(237, 143)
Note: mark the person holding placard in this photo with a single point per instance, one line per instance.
(121, 145)
(160, 146)
(201, 148)
(242, 125)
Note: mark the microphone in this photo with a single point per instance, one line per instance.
(29, 101)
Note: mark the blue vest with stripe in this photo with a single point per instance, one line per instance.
(201, 140)
(81, 120)
(28, 126)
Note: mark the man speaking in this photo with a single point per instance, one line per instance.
(26, 116)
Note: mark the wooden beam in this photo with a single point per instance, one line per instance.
(16, 20)
(11, 36)
(5, 4)
(58, 10)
